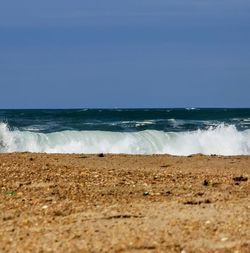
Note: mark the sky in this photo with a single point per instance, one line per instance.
(124, 54)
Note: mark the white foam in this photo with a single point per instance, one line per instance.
(221, 140)
(191, 108)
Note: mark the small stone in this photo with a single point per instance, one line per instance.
(146, 193)
(223, 239)
(208, 222)
(205, 183)
(44, 207)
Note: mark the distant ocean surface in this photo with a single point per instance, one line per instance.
(131, 131)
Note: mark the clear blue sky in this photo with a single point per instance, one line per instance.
(124, 53)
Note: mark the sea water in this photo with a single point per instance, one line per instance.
(132, 131)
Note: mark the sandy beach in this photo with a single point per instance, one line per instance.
(123, 203)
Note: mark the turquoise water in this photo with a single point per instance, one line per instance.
(133, 131)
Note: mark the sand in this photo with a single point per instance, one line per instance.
(122, 203)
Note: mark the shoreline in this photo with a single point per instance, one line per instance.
(124, 203)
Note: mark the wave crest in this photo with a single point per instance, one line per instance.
(221, 140)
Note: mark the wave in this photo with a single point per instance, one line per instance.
(221, 140)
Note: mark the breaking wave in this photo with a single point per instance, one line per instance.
(221, 140)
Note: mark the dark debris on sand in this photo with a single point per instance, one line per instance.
(240, 179)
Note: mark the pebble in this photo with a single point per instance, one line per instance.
(205, 182)
(44, 207)
(223, 239)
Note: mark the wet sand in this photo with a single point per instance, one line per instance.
(122, 203)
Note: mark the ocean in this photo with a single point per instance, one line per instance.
(131, 131)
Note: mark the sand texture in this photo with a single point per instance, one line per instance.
(122, 203)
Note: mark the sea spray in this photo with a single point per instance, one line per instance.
(221, 140)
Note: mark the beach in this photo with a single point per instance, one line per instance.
(124, 203)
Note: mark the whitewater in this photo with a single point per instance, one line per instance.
(220, 140)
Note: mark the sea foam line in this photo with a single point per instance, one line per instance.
(221, 140)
